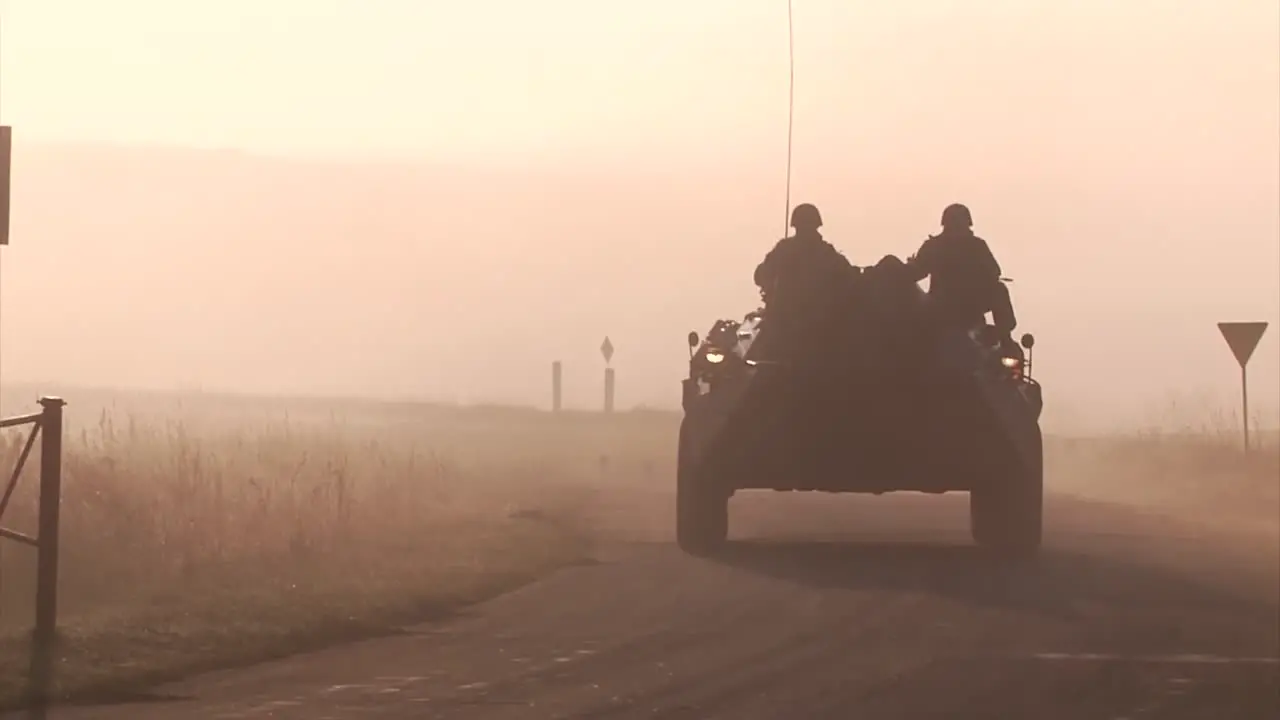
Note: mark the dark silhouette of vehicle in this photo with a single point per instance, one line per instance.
(891, 403)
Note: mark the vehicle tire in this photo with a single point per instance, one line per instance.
(702, 506)
(1007, 515)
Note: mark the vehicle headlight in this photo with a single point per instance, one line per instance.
(714, 357)
(1010, 362)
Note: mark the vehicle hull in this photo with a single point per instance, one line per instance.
(956, 427)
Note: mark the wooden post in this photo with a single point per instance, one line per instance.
(556, 375)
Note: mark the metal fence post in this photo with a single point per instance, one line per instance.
(47, 550)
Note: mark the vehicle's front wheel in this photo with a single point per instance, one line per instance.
(1006, 515)
(702, 506)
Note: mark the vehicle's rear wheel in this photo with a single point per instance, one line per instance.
(702, 506)
(1006, 515)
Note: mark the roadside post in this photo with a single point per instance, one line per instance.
(557, 374)
(606, 351)
(6, 165)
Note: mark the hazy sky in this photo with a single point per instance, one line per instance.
(1122, 157)
(1007, 80)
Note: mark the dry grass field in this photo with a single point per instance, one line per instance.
(208, 531)
(202, 532)
(1202, 475)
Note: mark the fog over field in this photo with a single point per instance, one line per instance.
(301, 269)
(348, 198)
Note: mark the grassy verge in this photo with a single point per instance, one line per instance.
(194, 545)
(1200, 476)
(244, 615)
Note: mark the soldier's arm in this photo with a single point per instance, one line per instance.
(920, 265)
(989, 259)
(765, 271)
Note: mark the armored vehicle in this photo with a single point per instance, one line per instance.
(890, 403)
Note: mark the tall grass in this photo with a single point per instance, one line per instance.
(1200, 470)
(237, 531)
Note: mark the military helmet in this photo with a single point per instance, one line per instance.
(956, 215)
(806, 217)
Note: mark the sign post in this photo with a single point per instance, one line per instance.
(6, 165)
(606, 350)
(1242, 338)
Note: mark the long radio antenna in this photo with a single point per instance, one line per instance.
(791, 110)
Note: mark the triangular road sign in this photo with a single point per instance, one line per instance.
(1242, 338)
(606, 349)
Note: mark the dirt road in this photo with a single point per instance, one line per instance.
(824, 607)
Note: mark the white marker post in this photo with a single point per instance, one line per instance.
(1242, 338)
(606, 351)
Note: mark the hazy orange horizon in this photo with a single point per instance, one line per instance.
(436, 199)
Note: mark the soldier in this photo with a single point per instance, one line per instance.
(964, 276)
(802, 277)
(803, 259)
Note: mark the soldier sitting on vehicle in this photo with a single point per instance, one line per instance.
(802, 278)
(964, 276)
